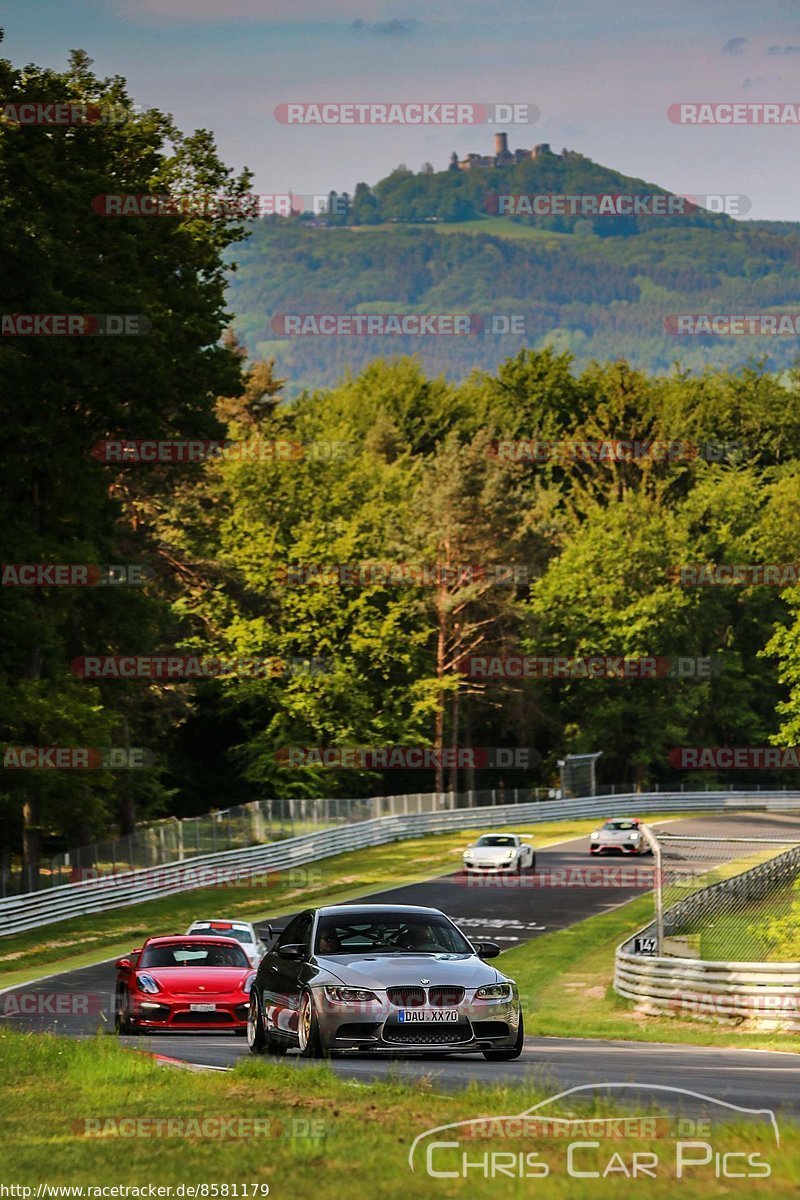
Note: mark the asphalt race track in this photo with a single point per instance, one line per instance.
(552, 898)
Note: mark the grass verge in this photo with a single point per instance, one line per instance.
(319, 1133)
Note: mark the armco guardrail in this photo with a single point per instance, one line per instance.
(18, 913)
(763, 992)
(698, 988)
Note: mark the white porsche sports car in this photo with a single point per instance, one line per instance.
(621, 835)
(495, 852)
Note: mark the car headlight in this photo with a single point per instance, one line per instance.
(635, 836)
(147, 983)
(249, 981)
(469, 854)
(494, 991)
(510, 854)
(596, 835)
(345, 995)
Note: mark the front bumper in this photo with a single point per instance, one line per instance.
(481, 1025)
(492, 868)
(618, 847)
(176, 1015)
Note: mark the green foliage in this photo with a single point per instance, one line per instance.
(62, 395)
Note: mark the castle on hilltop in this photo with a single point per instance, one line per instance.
(502, 157)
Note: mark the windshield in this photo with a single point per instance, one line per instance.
(241, 935)
(620, 825)
(497, 839)
(388, 933)
(194, 954)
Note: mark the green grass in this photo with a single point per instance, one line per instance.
(566, 987)
(503, 227)
(317, 1133)
(735, 936)
(496, 226)
(81, 941)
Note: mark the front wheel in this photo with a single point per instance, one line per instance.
(122, 1020)
(308, 1028)
(256, 1036)
(513, 1052)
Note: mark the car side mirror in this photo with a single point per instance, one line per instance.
(487, 949)
(291, 951)
(123, 964)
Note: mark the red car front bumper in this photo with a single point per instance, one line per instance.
(176, 1015)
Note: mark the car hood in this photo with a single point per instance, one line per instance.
(192, 981)
(493, 853)
(379, 971)
(617, 835)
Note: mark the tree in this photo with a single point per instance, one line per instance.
(62, 396)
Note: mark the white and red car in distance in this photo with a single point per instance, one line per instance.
(241, 931)
(620, 835)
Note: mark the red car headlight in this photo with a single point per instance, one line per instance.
(146, 983)
(249, 981)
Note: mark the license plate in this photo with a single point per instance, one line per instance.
(202, 1008)
(407, 1015)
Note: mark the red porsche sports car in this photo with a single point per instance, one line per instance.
(189, 983)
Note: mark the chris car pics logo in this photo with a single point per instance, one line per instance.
(543, 1142)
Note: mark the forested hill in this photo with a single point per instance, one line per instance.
(462, 195)
(601, 287)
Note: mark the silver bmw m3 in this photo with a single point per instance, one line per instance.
(382, 978)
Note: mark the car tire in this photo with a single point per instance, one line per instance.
(122, 1020)
(259, 1038)
(512, 1052)
(256, 1034)
(308, 1028)
(532, 867)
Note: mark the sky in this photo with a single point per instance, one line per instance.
(602, 73)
